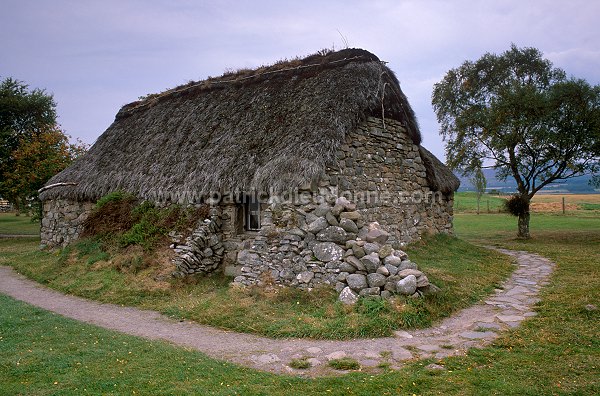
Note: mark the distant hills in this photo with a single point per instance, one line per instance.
(576, 185)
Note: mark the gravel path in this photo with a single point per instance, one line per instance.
(475, 327)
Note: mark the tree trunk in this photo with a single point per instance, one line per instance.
(524, 224)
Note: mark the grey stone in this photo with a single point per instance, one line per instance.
(371, 262)
(247, 258)
(386, 294)
(392, 260)
(332, 234)
(371, 248)
(357, 281)
(342, 201)
(350, 215)
(286, 274)
(336, 210)
(369, 291)
(385, 251)
(383, 271)
(349, 226)
(305, 277)
(321, 210)
(430, 289)
(347, 267)
(318, 225)
(339, 286)
(331, 219)
(341, 277)
(358, 251)
(407, 264)
(376, 280)
(422, 281)
(377, 235)
(407, 272)
(407, 286)
(348, 296)
(392, 270)
(355, 263)
(401, 254)
(328, 251)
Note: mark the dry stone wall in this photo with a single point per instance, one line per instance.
(378, 186)
(202, 252)
(62, 221)
(381, 170)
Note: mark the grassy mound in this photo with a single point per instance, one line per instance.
(465, 272)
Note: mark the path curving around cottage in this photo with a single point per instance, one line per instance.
(473, 327)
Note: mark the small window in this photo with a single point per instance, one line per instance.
(252, 213)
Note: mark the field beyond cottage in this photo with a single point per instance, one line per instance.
(556, 352)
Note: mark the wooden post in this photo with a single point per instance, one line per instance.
(488, 206)
(563, 205)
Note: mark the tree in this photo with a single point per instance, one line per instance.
(32, 146)
(518, 114)
(479, 183)
(36, 160)
(24, 114)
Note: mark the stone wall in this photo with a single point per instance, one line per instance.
(378, 184)
(62, 221)
(202, 252)
(381, 170)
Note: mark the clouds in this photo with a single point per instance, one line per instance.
(98, 55)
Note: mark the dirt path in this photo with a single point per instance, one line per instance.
(476, 326)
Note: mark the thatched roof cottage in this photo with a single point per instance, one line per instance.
(272, 149)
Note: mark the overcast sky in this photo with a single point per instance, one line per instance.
(96, 56)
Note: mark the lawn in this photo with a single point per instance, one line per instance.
(465, 273)
(11, 224)
(555, 353)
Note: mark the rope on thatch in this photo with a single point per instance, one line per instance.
(439, 176)
(48, 187)
(238, 79)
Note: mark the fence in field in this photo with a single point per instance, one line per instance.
(586, 204)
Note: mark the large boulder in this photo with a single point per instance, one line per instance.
(377, 235)
(407, 272)
(349, 226)
(348, 296)
(328, 251)
(407, 286)
(358, 282)
(371, 262)
(376, 280)
(333, 234)
(318, 225)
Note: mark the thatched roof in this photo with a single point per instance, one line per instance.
(439, 176)
(271, 128)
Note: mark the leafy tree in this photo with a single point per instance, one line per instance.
(32, 147)
(518, 114)
(36, 160)
(479, 183)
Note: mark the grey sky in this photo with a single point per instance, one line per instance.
(96, 56)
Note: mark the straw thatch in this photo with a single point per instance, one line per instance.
(268, 129)
(439, 176)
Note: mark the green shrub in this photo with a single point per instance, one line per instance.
(517, 205)
(145, 233)
(344, 364)
(300, 364)
(115, 196)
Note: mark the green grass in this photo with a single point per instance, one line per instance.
(344, 364)
(554, 353)
(11, 224)
(462, 270)
(467, 202)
